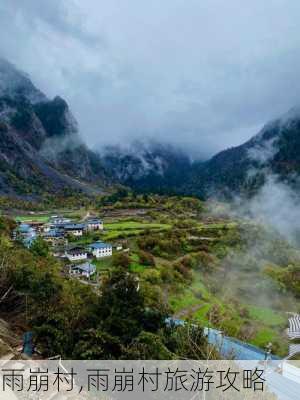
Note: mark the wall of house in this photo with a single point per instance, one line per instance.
(75, 233)
(76, 257)
(95, 227)
(81, 273)
(104, 252)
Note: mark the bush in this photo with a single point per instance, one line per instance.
(40, 247)
(121, 260)
(184, 271)
(148, 346)
(146, 258)
(206, 261)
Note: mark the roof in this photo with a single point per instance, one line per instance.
(94, 221)
(99, 245)
(76, 250)
(74, 226)
(59, 219)
(54, 233)
(85, 267)
(294, 329)
(24, 228)
(26, 231)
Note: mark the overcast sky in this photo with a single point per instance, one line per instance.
(201, 74)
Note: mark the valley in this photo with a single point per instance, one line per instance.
(208, 269)
(100, 248)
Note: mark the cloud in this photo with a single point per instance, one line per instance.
(277, 204)
(202, 75)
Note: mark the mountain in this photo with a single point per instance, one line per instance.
(15, 84)
(275, 151)
(149, 167)
(40, 147)
(41, 151)
(240, 170)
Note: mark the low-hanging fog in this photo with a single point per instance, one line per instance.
(277, 203)
(202, 75)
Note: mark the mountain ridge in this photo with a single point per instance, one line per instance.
(240, 170)
(41, 150)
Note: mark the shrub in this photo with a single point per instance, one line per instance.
(121, 260)
(146, 258)
(184, 271)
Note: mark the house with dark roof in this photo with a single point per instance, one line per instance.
(85, 269)
(74, 229)
(94, 224)
(100, 249)
(55, 237)
(76, 254)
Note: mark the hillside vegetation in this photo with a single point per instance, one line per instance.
(180, 255)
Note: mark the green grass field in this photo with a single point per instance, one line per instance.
(126, 225)
(127, 228)
(267, 316)
(104, 263)
(32, 217)
(196, 294)
(44, 217)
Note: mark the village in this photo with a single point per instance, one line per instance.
(62, 234)
(165, 254)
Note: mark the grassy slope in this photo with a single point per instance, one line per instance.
(194, 301)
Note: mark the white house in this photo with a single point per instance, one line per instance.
(74, 229)
(100, 249)
(76, 254)
(94, 224)
(86, 269)
(59, 221)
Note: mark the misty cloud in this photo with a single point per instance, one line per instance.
(277, 205)
(203, 75)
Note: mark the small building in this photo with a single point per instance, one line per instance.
(94, 224)
(76, 254)
(56, 220)
(25, 229)
(86, 269)
(74, 229)
(26, 234)
(118, 246)
(37, 225)
(100, 249)
(47, 227)
(294, 327)
(58, 252)
(55, 237)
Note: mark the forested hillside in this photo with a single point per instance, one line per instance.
(179, 256)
